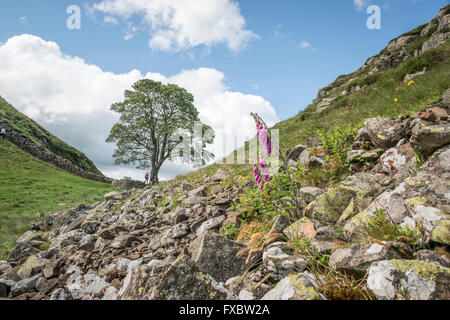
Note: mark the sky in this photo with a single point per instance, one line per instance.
(235, 57)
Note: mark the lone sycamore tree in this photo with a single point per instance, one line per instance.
(159, 122)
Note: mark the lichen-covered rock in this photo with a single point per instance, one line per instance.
(221, 264)
(32, 266)
(398, 162)
(411, 279)
(294, 287)
(384, 132)
(299, 229)
(21, 250)
(421, 199)
(141, 278)
(184, 281)
(428, 137)
(356, 260)
(328, 207)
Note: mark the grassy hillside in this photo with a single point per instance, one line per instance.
(35, 133)
(29, 187)
(386, 95)
(379, 98)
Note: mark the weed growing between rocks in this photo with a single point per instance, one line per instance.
(379, 227)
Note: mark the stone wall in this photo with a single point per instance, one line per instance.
(39, 152)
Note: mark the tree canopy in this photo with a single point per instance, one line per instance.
(159, 122)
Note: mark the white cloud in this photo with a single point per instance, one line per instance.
(359, 4)
(110, 20)
(71, 98)
(182, 24)
(305, 44)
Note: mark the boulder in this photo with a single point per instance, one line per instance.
(221, 175)
(309, 194)
(398, 162)
(221, 264)
(356, 260)
(294, 154)
(21, 250)
(325, 104)
(59, 294)
(31, 267)
(384, 133)
(411, 279)
(124, 241)
(24, 286)
(428, 137)
(114, 195)
(183, 281)
(210, 224)
(294, 287)
(354, 193)
(86, 286)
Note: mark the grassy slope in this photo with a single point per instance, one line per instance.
(34, 132)
(376, 100)
(29, 186)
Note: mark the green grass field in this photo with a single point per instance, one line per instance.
(29, 187)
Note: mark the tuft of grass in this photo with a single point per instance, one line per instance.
(30, 187)
(381, 228)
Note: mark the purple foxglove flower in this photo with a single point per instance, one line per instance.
(261, 186)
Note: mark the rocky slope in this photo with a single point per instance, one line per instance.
(381, 232)
(165, 244)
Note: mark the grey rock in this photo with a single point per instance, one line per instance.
(357, 259)
(384, 132)
(428, 137)
(221, 264)
(221, 175)
(294, 287)
(210, 224)
(59, 294)
(24, 286)
(294, 154)
(417, 280)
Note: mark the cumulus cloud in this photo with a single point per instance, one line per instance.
(71, 98)
(182, 24)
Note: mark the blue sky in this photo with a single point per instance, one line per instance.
(270, 62)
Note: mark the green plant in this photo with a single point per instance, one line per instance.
(382, 228)
(230, 230)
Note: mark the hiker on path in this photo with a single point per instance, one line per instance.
(3, 133)
(147, 176)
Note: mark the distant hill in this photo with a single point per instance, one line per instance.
(40, 137)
